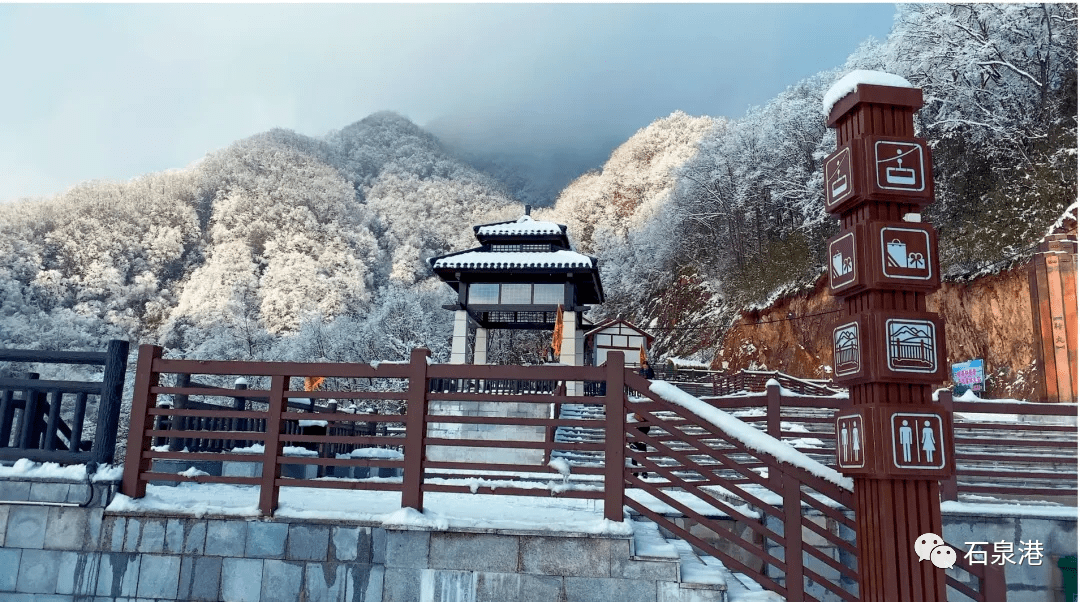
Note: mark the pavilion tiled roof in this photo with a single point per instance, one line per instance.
(477, 259)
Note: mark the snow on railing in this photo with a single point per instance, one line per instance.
(750, 436)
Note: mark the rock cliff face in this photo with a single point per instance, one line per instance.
(988, 318)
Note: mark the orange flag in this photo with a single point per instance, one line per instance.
(641, 356)
(556, 337)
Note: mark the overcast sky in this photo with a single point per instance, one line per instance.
(115, 91)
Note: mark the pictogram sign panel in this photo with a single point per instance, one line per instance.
(905, 253)
(912, 346)
(900, 165)
(898, 347)
(889, 440)
(842, 261)
(839, 177)
(851, 441)
(847, 350)
(918, 440)
(878, 168)
(884, 255)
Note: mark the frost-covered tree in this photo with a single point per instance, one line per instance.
(635, 184)
(999, 82)
(421, 218)
(284, 231)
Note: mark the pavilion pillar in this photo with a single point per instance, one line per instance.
(894, 440)
(480, 348)
(571, 349)
(459, 344)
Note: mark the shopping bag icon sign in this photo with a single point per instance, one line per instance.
(898, 255)
(841, 265)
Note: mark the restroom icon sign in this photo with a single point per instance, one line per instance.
(900, 165)
(918, 440)
(850, 441)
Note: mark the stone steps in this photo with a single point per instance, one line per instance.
(697, 580)
(580, 434)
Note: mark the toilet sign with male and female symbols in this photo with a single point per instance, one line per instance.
(886, 441)
(918, 440)
(850, 445)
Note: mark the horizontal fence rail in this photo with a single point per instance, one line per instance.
(47, 421)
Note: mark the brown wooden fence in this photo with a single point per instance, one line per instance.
(794, 530)
(755, 381)
(1007, 450)
(46, 420)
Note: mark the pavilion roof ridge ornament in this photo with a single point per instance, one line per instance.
(524, 225)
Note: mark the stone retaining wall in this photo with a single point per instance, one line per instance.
(71, 553)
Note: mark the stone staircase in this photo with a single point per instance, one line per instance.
(699, 578)
(580, 434)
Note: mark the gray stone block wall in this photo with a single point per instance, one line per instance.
(69, 553)
(83, 554)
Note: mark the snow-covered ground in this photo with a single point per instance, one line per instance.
(442, 511)
(25, 469)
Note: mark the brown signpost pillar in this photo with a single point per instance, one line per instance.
(894, 440)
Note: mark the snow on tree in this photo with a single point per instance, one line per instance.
(422, 218)
(635, 184)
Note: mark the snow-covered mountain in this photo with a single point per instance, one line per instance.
(254, 241)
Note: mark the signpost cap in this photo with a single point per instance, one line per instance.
(861, 86)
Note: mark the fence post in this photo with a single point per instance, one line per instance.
(793, 543)
(614, 436)
(772, 424)
(7, 414)
(949, 490)
(179, 423)
(51, 438)
(994, 588)
(412, 481)
(240, 405)
(271, 469)
(142, 400)
(112, 392)
(24, 428)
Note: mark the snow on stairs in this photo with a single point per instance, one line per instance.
(580, 434)
(701, 579)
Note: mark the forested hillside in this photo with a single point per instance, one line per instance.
(277, 246)
(745, 222)
(284, 246)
